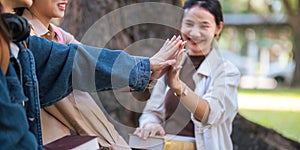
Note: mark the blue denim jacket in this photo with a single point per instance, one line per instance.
(49, 71)
(14, 127)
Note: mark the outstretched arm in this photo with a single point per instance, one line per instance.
(60, 68)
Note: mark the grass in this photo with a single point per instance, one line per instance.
(280, 92)
(285, 122)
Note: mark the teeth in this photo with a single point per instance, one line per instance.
(62, 5)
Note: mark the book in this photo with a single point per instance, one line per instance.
(167, 142)
(74, 143)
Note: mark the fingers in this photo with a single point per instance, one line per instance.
(168, 41)
(182, 45)
(173, 43)
(176, 67)
(170, 48)
(145, 134)
(153, 133)
(168, 63)
(167, 55)
(157, 130)
(150, 130)
(173, 73)
(181, 52)
(174, 38)
(162, 132)
(137, 131)
(179, 56)
(142, 133)
(176, 45)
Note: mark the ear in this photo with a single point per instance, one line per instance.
(219, 28)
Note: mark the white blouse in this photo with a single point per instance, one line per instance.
(216, 82)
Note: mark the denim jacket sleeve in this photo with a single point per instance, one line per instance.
(13, 135)
(60, 68)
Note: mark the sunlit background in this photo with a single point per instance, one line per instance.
(259, 40)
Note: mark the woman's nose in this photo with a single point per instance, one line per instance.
(195, 32)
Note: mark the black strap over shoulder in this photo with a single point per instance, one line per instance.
(18, 26)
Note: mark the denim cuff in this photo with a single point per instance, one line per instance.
(140, 74)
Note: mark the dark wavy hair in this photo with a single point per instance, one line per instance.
(213, 6)
(19, 11)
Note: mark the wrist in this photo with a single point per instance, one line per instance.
(151, 83)
(152, 63)
(181, 90)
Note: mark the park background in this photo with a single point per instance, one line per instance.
(261, 37)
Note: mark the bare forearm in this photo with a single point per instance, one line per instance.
(193, 102)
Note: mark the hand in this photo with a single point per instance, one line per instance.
(165, 57)
(149, 129)
(173, 79)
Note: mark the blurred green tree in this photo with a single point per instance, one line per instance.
(292, 10)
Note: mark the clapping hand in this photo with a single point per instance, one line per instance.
(173, 79)
(165, 57)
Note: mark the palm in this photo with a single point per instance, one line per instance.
(161, 61)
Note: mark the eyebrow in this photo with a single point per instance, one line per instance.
(201, 22)
(205, 22)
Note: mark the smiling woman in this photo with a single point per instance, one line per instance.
(49, 9)
(77, 113)
(197, 97)
(199, 29)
